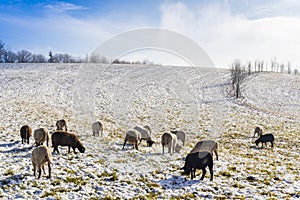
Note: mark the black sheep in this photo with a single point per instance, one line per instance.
(264, 139)
(198, 160)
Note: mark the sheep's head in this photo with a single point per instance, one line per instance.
(187, 170)
(150, 143)
(80, 147)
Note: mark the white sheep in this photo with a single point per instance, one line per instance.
(40, 156)
(170, 140)
(206, 145)
(145, 135)
(180, 136)
(40, 136)
(97, 127)
(132, 137)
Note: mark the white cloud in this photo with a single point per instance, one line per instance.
(64, 6)
(226, 36)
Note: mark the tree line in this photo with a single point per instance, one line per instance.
(240, 71)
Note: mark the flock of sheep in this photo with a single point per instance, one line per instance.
(200, 157)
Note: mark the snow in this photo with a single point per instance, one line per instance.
(165, 97)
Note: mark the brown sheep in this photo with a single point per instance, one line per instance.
(40, 156)
(64, 138)
(60, 124)
(206, 145)
(258, 130)
(26, 133)
(40, 136)
(132, 137)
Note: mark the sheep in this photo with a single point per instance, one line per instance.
(170, 140)
(264, 139)
(40, 136)
(97, 127)
(60, 124)
(132, 137)
(258, 130)
(40, 156)
(145, 135)
(198, 160)
(180, 135)
(64, 138)
(206, 145)
(25, 133)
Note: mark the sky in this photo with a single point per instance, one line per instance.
(225, 29)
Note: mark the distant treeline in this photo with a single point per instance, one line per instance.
(25, 56)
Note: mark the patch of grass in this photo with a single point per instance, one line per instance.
(9, 172)
(184, 196)
(152, 185)
(75, 180)
(225, 173)
(70, 171)
(55, 182)
(237, 185)
(101, 161)
(113, 175)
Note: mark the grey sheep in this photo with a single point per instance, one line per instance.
(148, 128)
(60, 124)
(206, 145)
(145, 135)
(97, 127)
(263, 139)
(132, 137)
(257, 131)
(40, 136)
(40, 156)
(180, 135)
(63, 138)
(25, 133)
(198, 160)
(170, 140)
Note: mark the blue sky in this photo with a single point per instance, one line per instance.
(225, 29)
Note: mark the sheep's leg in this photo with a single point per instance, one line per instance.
(211, 172)
(136, 145)
(56, 149)
(49, 169)
(272, 144)
(203, 173)
(216, 152)
(124, 144)
(194, 172)
(163, 149)
(69, 149)
(74, 149)
(66, 128)
(43, 168)
(34, 169)
(170, 149)
(40, 171)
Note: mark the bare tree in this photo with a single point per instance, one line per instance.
(282, 67)
(237, 76)
(24, 56)
(38, 58)
(289, 69)
(2, 51)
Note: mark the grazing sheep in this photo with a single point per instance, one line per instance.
(145, 135)
(60, 124)
(198, 160)
(97, 127)
(25, 133)
(258, 131)
(170, 140)
(148, 128)
(264, 139)
(132, 137)
(180, 135)
(206, 145)
(40, 136)
(64, 138)
(40, 156)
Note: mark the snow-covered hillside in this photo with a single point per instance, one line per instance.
(166, 98)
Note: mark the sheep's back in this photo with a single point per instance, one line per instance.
(63, 138)
(205, 145)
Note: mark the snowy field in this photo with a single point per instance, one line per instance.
(166, 98)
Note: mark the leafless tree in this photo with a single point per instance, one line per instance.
(238, 74)
(24, 56)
